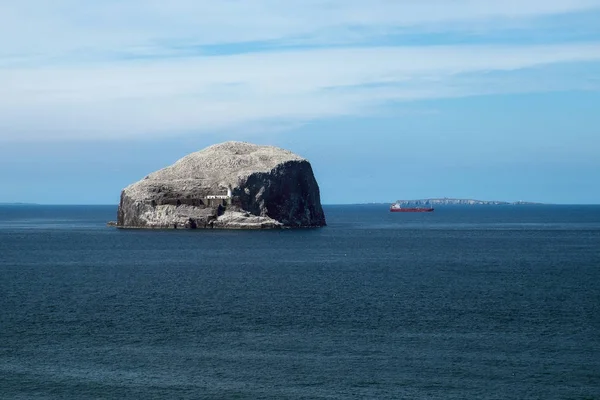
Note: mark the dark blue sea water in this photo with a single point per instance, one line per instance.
(464, 303)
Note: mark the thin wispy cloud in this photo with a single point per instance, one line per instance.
(132, 68)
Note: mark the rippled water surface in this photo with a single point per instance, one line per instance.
(480, 303)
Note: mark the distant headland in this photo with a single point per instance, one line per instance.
(445, 201)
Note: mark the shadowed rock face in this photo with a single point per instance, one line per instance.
(270, 187)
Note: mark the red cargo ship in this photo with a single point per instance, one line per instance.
(397, 208)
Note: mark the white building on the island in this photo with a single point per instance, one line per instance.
(227, 197)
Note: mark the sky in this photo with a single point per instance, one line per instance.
(387, 99)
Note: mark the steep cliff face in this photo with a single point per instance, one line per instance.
(230, 185)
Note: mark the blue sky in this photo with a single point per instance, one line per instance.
(387, 99)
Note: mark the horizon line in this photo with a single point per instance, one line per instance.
(323, 204)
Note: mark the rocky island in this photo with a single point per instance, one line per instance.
(459, 202)
(232, 185)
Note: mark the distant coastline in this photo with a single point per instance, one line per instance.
(445, 201)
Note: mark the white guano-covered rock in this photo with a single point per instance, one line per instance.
(269, 187)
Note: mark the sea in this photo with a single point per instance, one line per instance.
(471, 302)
